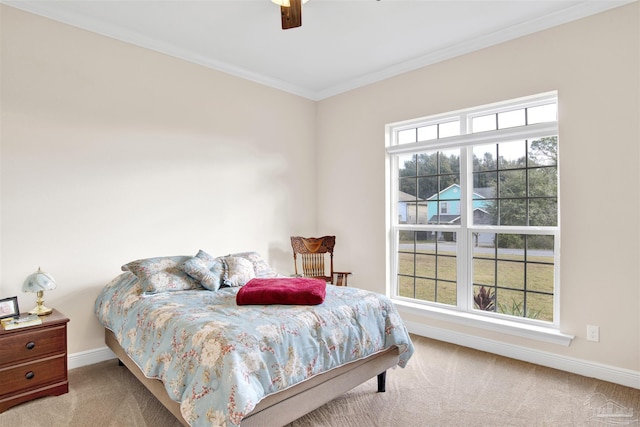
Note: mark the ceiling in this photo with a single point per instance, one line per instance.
(341, 45)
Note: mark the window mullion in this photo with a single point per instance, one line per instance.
(464, 256)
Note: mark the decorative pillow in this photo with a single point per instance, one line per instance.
(260, 266)
(206, 269)
(238, 271)
(162, 274)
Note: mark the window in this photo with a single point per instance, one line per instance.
(476, 194)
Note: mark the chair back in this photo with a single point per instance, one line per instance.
(314, 255)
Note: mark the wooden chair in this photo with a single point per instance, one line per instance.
(313, 252)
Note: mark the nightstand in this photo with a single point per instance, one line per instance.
(33, 361)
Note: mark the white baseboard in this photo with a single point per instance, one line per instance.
(89, 357)
(585, 368)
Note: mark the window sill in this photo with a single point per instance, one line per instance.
(535, 332)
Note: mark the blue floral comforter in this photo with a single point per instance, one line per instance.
(219, 359)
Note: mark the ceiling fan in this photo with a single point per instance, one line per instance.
(291, 12)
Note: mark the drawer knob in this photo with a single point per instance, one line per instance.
(29, 375)
(30, 345)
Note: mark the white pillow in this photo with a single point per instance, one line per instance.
(238, 271)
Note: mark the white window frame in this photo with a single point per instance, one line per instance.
(463, 313)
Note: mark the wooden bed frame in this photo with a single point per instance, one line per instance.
(285, 406)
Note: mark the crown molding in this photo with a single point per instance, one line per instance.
(571, 13)
(129, 37)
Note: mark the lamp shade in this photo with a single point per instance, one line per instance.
(38, 281)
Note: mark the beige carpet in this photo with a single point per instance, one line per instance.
(443, 385)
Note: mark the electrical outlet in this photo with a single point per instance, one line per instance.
(593, 333)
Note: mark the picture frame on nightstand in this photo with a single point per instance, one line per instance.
(9, 307)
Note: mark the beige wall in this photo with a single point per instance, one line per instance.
(594, 65)
(111, 153)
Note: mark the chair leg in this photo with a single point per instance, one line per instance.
(382, 380)
(341, 279)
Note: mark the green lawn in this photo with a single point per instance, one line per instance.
(439, 286)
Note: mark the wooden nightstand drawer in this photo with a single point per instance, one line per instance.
(33, 361)
(32, 375)
(34, 344)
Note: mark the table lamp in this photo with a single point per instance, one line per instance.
(39, 282)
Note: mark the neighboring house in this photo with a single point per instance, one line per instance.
(444, 208)
(446, 204)
(411, 210)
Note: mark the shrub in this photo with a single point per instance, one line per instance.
(485, 299)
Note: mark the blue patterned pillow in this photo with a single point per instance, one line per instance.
(162, 274)
(206, 269)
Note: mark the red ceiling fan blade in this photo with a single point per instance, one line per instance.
(292, 15)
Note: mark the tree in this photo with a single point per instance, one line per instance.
(544, 151)
(526, 188)
(425, 174)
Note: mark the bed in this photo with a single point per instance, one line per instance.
(214, 362)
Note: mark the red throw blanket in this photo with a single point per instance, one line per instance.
(282, 290)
